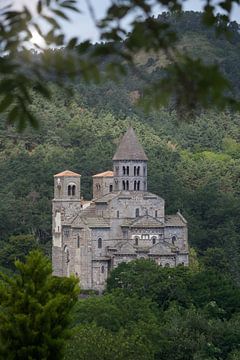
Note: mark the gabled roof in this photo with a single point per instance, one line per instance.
(143, 222)
(67, 173)
(107, 173)
(130, 148)
(175, 220)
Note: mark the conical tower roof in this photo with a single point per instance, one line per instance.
(130, 148)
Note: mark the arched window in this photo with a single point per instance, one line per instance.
(174, 240)
(127, 185)
(138, 185)
(73, 190)
(110, 188)
(135, 185)
(69, 190)
(123, 184)
(136, 241)
(102, 269)
(135, 170)
(137, 212)
(154, 240)
(78, 241)
(138, 170)
(99, 243)
(124, 170)
(127, 170)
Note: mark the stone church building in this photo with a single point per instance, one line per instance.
(122, 222)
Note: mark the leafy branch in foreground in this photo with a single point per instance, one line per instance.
(190, 82)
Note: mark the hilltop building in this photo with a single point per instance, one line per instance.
(123, 222)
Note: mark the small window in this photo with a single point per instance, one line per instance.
(73, 190)
(124, 170)
(66, 232)
(69, 190)
(123, 184)
(138, 185)
(156, 213)
(174, 240)
(102, 269)
(137, 212)
(118, 214)
(78, 241)
(138, 170)
(127, 185)
(136, 241)
(154, 240)
(127, 170)
(110, 188)
(144, 171)
(135, 185)
(135, 170)
(99, 243)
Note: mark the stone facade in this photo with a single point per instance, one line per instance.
(122, 223)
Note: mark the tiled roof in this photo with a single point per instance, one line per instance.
(175, 220)
(97, 222)
(104, 174)
(143, 222)
(130, 148)
(67, 173)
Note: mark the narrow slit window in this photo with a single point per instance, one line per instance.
(99, 243)
(73, 190)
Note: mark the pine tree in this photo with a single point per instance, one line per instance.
(34, 310)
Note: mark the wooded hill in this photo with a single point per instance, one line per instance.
(194, 165)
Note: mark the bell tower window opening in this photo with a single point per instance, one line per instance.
(138, 170)
(127, 185)
(127, 170)
(134, 170)
(138, 185)
(124, 170)
(135, 185)
(73, 190)
(123, 184)
(99, 243)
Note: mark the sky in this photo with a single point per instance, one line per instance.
(82, 25)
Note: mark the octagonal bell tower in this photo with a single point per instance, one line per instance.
(130, 164)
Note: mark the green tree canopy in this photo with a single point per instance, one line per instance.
(34, 310)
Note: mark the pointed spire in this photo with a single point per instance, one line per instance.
(130, 148)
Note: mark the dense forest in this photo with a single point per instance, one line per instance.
(194, 165)
(147, 312)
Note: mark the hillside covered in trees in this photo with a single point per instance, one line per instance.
(193, 164)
